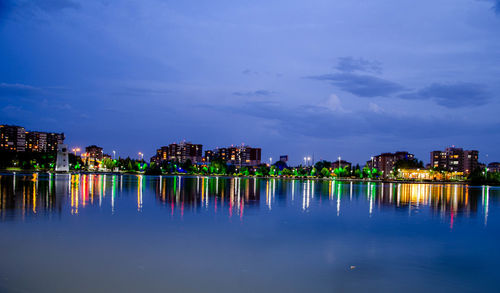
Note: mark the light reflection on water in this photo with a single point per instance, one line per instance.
(135, 233)
(29, 194)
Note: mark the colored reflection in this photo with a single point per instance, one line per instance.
(25, 195)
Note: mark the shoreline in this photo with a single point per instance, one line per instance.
(391, 181)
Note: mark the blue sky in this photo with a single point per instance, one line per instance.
(329, 78)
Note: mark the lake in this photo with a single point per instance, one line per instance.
(134, 233)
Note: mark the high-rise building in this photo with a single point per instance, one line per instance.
(12, 138)
(179, 152)
(37, 141)
(239, 156)
(385, 162)
(16, 138)
(93, 154)
(455, 160)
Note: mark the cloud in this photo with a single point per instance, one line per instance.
(361, 85)
(454, 95)
(333, 103)
(257, 93)
(375, 108)
(323, 123)
(55, 5)
(496, 6)
(23, 9)
(16, 90)
(350, 64)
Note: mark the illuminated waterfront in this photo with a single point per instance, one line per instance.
(148, 233)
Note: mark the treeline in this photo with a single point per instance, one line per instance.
(321, 169)
(484, 177)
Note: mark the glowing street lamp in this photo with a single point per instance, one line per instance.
(114, 155)
(141, 156)
(309, 160)
(270, 161)
(340, 166)
(372, 162)
(75, 150)
(305, 161)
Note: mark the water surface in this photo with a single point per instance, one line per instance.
(126, 233)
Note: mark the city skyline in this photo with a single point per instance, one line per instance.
(325, 79)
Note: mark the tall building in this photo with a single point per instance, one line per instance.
(385, 162)
(12, 138)
(37, 141)
(93, 154)
(16, 138)
(236, 155)
(455, 160)
(179, 152)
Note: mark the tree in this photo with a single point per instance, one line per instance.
(286, 172)
(263, 170)
(325, 172)
(322, 164)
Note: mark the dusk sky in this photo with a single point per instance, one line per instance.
(329, 78)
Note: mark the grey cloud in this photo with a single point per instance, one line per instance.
(316, 121)
(361, 85)
(350, 64)
(455, 95)
(257, 93)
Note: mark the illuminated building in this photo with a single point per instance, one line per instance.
(423, 174)
(43, 141)
(93, 154)
(455, 160)
(16, 138)
(179, 152)
(494, 167)
(341, 164)
(239, 156)
(385, 162)
(12, 138)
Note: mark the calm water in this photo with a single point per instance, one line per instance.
(107, 233)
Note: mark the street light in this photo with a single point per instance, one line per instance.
(270, 161)
(75, 150)
(305, 161)
(340, 166)
(114, 153)
(141, 156)
(372, 162)
(309, 160)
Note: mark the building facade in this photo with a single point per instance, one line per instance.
(235, 155)
(12, 138)
(455, 160)
(341, 164)
(93, 155)
(16, 138)
(179, 152)
(37, 141)
(385, 162)
(494, 167)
